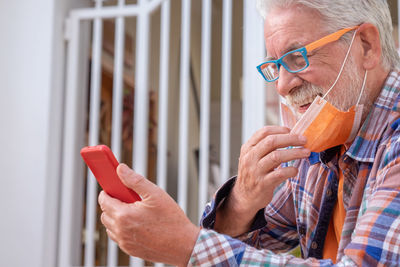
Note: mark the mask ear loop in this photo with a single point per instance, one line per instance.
(341, 69)
(363, 86)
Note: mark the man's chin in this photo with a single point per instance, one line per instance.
(298, 115)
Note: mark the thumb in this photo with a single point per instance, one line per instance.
(135, 181)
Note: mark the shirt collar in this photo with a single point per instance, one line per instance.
(365, 144)
(324, 156)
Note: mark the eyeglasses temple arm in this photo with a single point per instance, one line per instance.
(328, 39)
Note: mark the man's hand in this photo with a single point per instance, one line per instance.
(155, 229)
(258, 176)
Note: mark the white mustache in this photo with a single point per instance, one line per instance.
(304, 94)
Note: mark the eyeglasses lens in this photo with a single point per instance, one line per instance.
(294, 61)
(270, 71)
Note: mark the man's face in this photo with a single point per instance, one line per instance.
(295, 27)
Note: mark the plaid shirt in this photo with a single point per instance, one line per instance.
(300, 211)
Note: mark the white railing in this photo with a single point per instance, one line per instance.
(116, 143)
(69, 253)
(204, 163)
(226, 89)
(94, 129)
(253, 87)
(184, 106)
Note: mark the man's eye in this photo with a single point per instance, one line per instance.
(297, 58)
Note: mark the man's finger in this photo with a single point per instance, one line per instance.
(111, 235)
(277, 157)
(136, 182)
(274, 142)
(280, 175)
(106, 220)
(109, 204)
(264, 132)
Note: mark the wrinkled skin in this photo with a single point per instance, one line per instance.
(155, 229)
(258, 176)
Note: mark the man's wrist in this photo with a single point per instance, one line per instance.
(191, 239)
(231, 218)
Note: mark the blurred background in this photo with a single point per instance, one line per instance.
(169, 85)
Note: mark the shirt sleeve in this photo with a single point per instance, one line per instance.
(213, 249)
(208, 218)
(271, 228)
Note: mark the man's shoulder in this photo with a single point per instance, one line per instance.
(396, 104)
(390, 100)
(390, 141)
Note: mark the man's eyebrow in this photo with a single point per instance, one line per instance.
(292, 47)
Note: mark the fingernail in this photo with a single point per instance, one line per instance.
(124, 169)
(302, 139)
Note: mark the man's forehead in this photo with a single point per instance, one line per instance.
(284, 50)
(286, 40)
(288, 29)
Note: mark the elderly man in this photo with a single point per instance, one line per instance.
(339, 199)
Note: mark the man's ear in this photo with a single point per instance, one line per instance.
(370, 45)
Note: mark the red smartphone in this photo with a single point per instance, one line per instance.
(103, 164)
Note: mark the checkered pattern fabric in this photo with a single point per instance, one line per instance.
(371, 197)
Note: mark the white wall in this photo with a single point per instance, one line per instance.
(31, 88)
(25, 52)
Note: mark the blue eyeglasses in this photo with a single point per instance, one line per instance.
(296, 60)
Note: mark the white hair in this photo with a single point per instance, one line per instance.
(338, 14)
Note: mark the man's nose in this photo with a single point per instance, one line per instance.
(287, 81)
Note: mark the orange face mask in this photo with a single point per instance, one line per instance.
(325, 126)
(322, 124)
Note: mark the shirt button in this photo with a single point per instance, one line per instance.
(302, 230)
(329, 192)
(314, 245)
